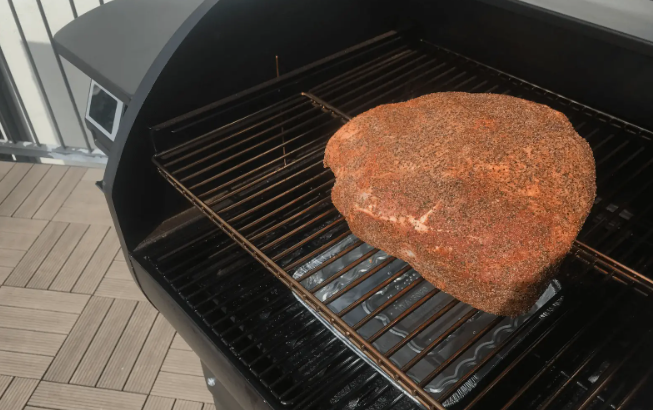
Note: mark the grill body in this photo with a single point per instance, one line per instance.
(208, 267)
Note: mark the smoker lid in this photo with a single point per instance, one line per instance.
(116, 44)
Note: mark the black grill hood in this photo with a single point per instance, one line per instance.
(227, 49)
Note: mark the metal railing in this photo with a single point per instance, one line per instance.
(18, 134)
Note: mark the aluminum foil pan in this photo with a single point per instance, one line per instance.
(450, 345)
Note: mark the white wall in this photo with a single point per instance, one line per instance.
(58, 14)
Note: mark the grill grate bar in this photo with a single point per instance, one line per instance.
(334, 258)
(470, 313)
(303, 226)
(550, 363)
(371, 292)
(359, 280)
(338, 222)
(609, 374)
(387, 303)
(460, 351)
(230, 137)
(321, 143)
(631, 395)
(401, 316)
(287, 221)
(536, 343)
(341, 271)
(317, 251)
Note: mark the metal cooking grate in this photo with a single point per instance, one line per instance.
(284, 347)
(261, 179)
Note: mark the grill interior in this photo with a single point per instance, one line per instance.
(260, 178)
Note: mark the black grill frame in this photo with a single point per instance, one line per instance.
(269, 262)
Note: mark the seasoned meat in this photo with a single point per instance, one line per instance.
(482, 194)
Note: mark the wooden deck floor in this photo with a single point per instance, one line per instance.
(75, 331)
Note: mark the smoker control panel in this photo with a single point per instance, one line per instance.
(104, 110)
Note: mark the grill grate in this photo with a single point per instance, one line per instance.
(264, 327)
(262, 181)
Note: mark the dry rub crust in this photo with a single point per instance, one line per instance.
(482, 194)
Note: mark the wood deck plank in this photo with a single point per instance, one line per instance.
(90, 368)
(42, 300)
(4, 273)
(36, 320)
(159, 403)
(182, 362)
(23, 226)
(182, 386)
(55, 200)
(86, 204)
(120, 289)
(119, 270)
(179, 343)
(28, 341)
(18, 195)
(70, 397)
(36, 254)
(42, 191)
(187, 405)
(151, 358)
(12, 179)
(78, 340)
(23, 364)
(17, 241)
(79, 259)
(10, 258)
(18, 393)
(5, 167)
(47, 272)
(98, 265)
(126, 352)
(4, 380)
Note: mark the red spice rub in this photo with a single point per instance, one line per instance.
(482, 194)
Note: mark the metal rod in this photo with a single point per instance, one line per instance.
(403, 315)
(327, 106)
(243, 121)
(629, 397)
(243, 141)
(36, 74)
(234, 136)
(360, 69)
(460, 351)
(526, 352)
(301, 227)
(609, 374)
(19, 98)
(298, 245)
(580, 332)
(344, 270)
(359, 280)
(302, 197)
(319, 148)
(73, 8)
(419, 329)
(291, 218)
(388, 302)
(497, 349)
(270, 187)
(439, 340)
(82, 128)
(370, 72)
(326, 263)
(254, 209)
(377, 288)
